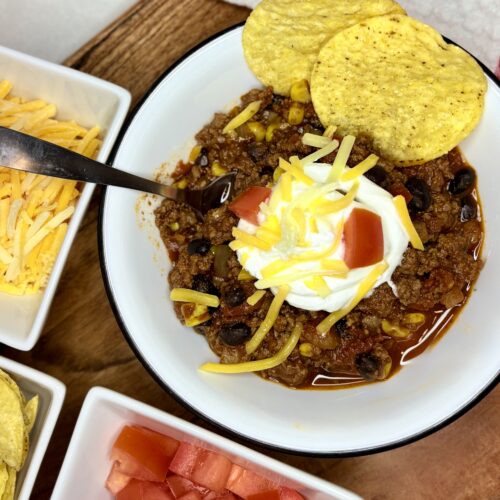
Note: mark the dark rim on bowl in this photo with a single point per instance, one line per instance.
(348, 453)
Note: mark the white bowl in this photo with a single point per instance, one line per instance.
(426, 394)
(88, 101)
(51, 393)
(105, 412)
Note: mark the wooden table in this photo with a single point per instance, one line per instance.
(83, 346)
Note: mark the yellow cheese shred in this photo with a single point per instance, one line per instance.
(261, 364)
(284, 279)
(402, 209)
(242, 117)
(315, 141)
(286, 186)
(188, 295)
(34, 208)
(296, 171)
(340, 161)
(317, 155)
(319, 285)
(256, 297)
(360, 169)
(323, 207)
(329, 131)
(267, 324)
(365, 286)
(250, 239)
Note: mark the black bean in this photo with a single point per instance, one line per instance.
(377, 174)
(234, 296)
(462, 182)
(468, 209)
(368, 365)
(257, 151)
(235, 334)
(342, 329)
(269, 171)
(202, 283)
(200, 246)
(421, 194)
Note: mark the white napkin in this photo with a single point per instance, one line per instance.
(473, 24)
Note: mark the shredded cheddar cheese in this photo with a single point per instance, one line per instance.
(34, 209)
(340, 161)
(317, 155)
(242, 117)
(250, 239)
(260, 364)
(188, 295)
(402, 209)
(365, 286)
(319, 285)
(323, 207)
(360, 169)
(315, 141)
(256, 297)
(271, 316)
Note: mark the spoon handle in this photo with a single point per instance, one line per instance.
(23, 152)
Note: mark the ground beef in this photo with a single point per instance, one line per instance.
(360, 345)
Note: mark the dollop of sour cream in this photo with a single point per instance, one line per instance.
(320, 235)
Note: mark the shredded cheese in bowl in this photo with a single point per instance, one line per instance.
(35, 209)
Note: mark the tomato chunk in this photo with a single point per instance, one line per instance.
(363, 238)
(180, 486)
(207, 468)
(225, 495)
(116, 480)
(289, 494)
(266, 495)
(244, 483)
(144, 490)
(143, 454)
(192, 495)
(246, 205)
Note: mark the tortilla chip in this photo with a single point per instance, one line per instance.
(4, 477)
(282, 38)
(396, 80)
(30, 413)
(10, 485)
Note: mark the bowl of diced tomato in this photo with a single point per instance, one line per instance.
(127, 450)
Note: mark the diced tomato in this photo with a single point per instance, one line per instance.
(401, 189)
(363, 238)
(246, 205)
(180, 486)
(244, 483)
(289, 494)
(143, 454)
(266, 495)
(192, 495)
(144, 490)
(207, 468)
(185, 460)
(116, 480)
(225, 495)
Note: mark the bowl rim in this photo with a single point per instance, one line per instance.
(151, 370)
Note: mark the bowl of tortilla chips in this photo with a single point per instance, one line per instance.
(30, 403)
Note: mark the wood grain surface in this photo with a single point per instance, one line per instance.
(82, 344)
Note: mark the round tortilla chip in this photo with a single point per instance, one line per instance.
(282, 38)
(396, 80)
(12, 428)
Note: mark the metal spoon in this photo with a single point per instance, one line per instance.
(23, 152)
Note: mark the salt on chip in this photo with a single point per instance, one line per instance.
(12, 429)
(282, 38)
(396, 80)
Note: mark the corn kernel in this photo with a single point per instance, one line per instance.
(218, 169)
(174, 226)
(270, 131)
(306, 349)
(394, 330)
(414, 318)
(299, 92)
(295, 114)
(182, 184)
(195, 152)
(258, 130)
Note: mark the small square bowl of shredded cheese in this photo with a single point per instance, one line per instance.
(39, 216)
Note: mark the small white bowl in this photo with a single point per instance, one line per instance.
(432, 390)
(51, 393)
(88, 101)
(105, 412)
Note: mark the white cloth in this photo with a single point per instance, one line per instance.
(473, 24)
